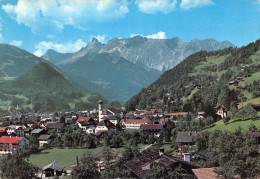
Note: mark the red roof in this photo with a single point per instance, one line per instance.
(144, 120)
(83, 119)
(12, 140)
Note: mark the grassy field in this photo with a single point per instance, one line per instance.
(232, 126)
(65, 157)
(253, 101)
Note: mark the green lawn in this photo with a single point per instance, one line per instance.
(65, 157)
(232, 126)
(253, 101)
(254, 77)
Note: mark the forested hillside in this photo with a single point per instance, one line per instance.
(15, 62)
(202, 80)
(43, 89)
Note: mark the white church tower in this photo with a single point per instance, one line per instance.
(100, 102)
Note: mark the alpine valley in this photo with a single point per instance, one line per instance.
(122, 67)
(116, 70)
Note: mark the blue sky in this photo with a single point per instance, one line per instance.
(68, 25)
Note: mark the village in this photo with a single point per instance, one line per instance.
(108, 126)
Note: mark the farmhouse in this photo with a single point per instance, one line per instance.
(44, 139)
(221, 110)
(185, 139)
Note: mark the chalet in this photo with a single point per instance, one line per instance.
(9, 144)
(105, 125)
(38, 132)
(3, 131)
(44, 139)
(221, 110)
(200, 115)
(233, 82)
(114, 119)
(152, 129)
(179, 114)
(15, 130)
(134, 123)
(85, 122)
(185, 139)
(53, 169)
(239, 78)
(141, 166)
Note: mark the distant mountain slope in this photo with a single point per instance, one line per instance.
(15, 62)
(44, 89)
(56, 57)
(114, 74)
(144, 58)
(202, 80)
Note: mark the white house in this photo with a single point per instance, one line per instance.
(105, 125)
(44, 139)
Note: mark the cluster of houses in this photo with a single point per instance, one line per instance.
(107, 122)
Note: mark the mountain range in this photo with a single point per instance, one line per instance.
(122, 67)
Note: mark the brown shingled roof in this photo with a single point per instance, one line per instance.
(186, 136)
(140, 166)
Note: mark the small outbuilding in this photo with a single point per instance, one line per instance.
(53, 169)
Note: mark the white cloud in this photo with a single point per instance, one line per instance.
(101, 38)
(50, 14)
(38, 53)
(187, 4)
(154, 6)
(16, 43)
(68, 47)
(159, 35)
